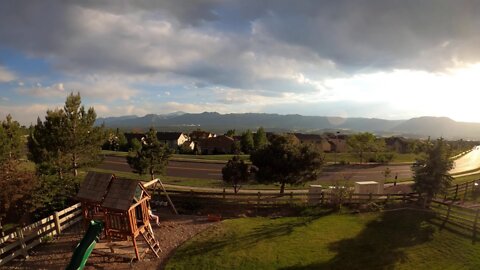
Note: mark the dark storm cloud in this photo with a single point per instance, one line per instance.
(244, 44)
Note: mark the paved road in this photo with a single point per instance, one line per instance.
(214, 171)
(468, 162)
(175, 168)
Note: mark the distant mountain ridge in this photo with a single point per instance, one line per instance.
(180, 121)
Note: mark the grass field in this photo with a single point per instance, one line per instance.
(388, 240)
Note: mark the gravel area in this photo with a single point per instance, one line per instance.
(172, 232)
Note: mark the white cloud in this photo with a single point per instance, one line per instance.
(6, 75)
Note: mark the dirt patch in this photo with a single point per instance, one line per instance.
(172, 232)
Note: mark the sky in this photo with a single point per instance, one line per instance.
(393, 59)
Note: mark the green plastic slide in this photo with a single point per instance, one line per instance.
(85, 247)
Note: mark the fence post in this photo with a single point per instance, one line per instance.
(322, 198)
(291, 197)
(388, 198)
(456, 192)
(58, 228)
(370, 196)
(475, 224)
(21, 238)
(258, 199)
(466, 191)
(224, 193)
(403, 198)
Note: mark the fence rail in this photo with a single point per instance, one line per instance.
(269, 199)
(18, 243)
(462, 217)
(461, 191)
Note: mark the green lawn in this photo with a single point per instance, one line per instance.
(389, 240)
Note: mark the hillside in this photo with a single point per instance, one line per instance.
(421, 126)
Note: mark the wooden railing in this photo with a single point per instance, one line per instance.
(461, 217)
(269, 199)
(23, 239)
(461, 191)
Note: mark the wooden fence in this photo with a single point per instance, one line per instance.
(266, 199)
(461, 191)
(462, 217)
(23, 239)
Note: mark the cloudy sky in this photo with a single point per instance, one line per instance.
(387, 59)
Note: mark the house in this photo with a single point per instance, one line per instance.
(172, 139)
(397, 144)
(200, 135)
(314, 139)
(131, 136)
(338, 143)
(216, 145)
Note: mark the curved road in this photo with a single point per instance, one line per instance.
(468, 162)
(214, 171)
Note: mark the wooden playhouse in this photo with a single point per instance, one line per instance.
(122, 205)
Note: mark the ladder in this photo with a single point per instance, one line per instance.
(151, 241)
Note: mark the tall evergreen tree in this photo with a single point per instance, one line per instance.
(260, 139)
(151, 158)
(67, 140)
(246, 142)
(431, 174)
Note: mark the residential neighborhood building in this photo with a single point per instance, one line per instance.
(172, 139)
(200, 135)
(216, 145)
(314, 139)
(397, 144)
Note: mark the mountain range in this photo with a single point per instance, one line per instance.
(219, 123)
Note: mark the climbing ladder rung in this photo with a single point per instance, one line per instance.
(151, 241)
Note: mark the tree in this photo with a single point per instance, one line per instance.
(67, 140)
(246, 142)
(286, 161)
(16, 185)
(260, 139)
(361, 143)
(235, 173)
(431, 174)
(151, 158)
(230, 133)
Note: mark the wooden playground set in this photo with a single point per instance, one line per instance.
(116, 212)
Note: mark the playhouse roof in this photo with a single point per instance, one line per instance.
(94, 187)
(109, 191)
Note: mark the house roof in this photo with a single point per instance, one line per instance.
(94, 187)
(120, 194)
(219, 142)
(168, 136)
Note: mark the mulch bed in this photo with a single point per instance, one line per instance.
(172, 232)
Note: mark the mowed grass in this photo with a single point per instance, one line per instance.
(390, 240)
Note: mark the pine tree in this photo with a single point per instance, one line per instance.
(246, 142)
(431, 174)
(67, 140)
(260, 139)
(151, 158)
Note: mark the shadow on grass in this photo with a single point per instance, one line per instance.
(380, 244)
(265, 232)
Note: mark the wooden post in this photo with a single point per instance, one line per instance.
(403, 198)
(370, 196)
(291, 197)
(21, 238)
(136, 248)
(168, 197)
(475, 224)
(224, 193)
(58, 227)
(388, 198)
(322, 198)
(456, 192)
(466, 191)
(258, 199)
